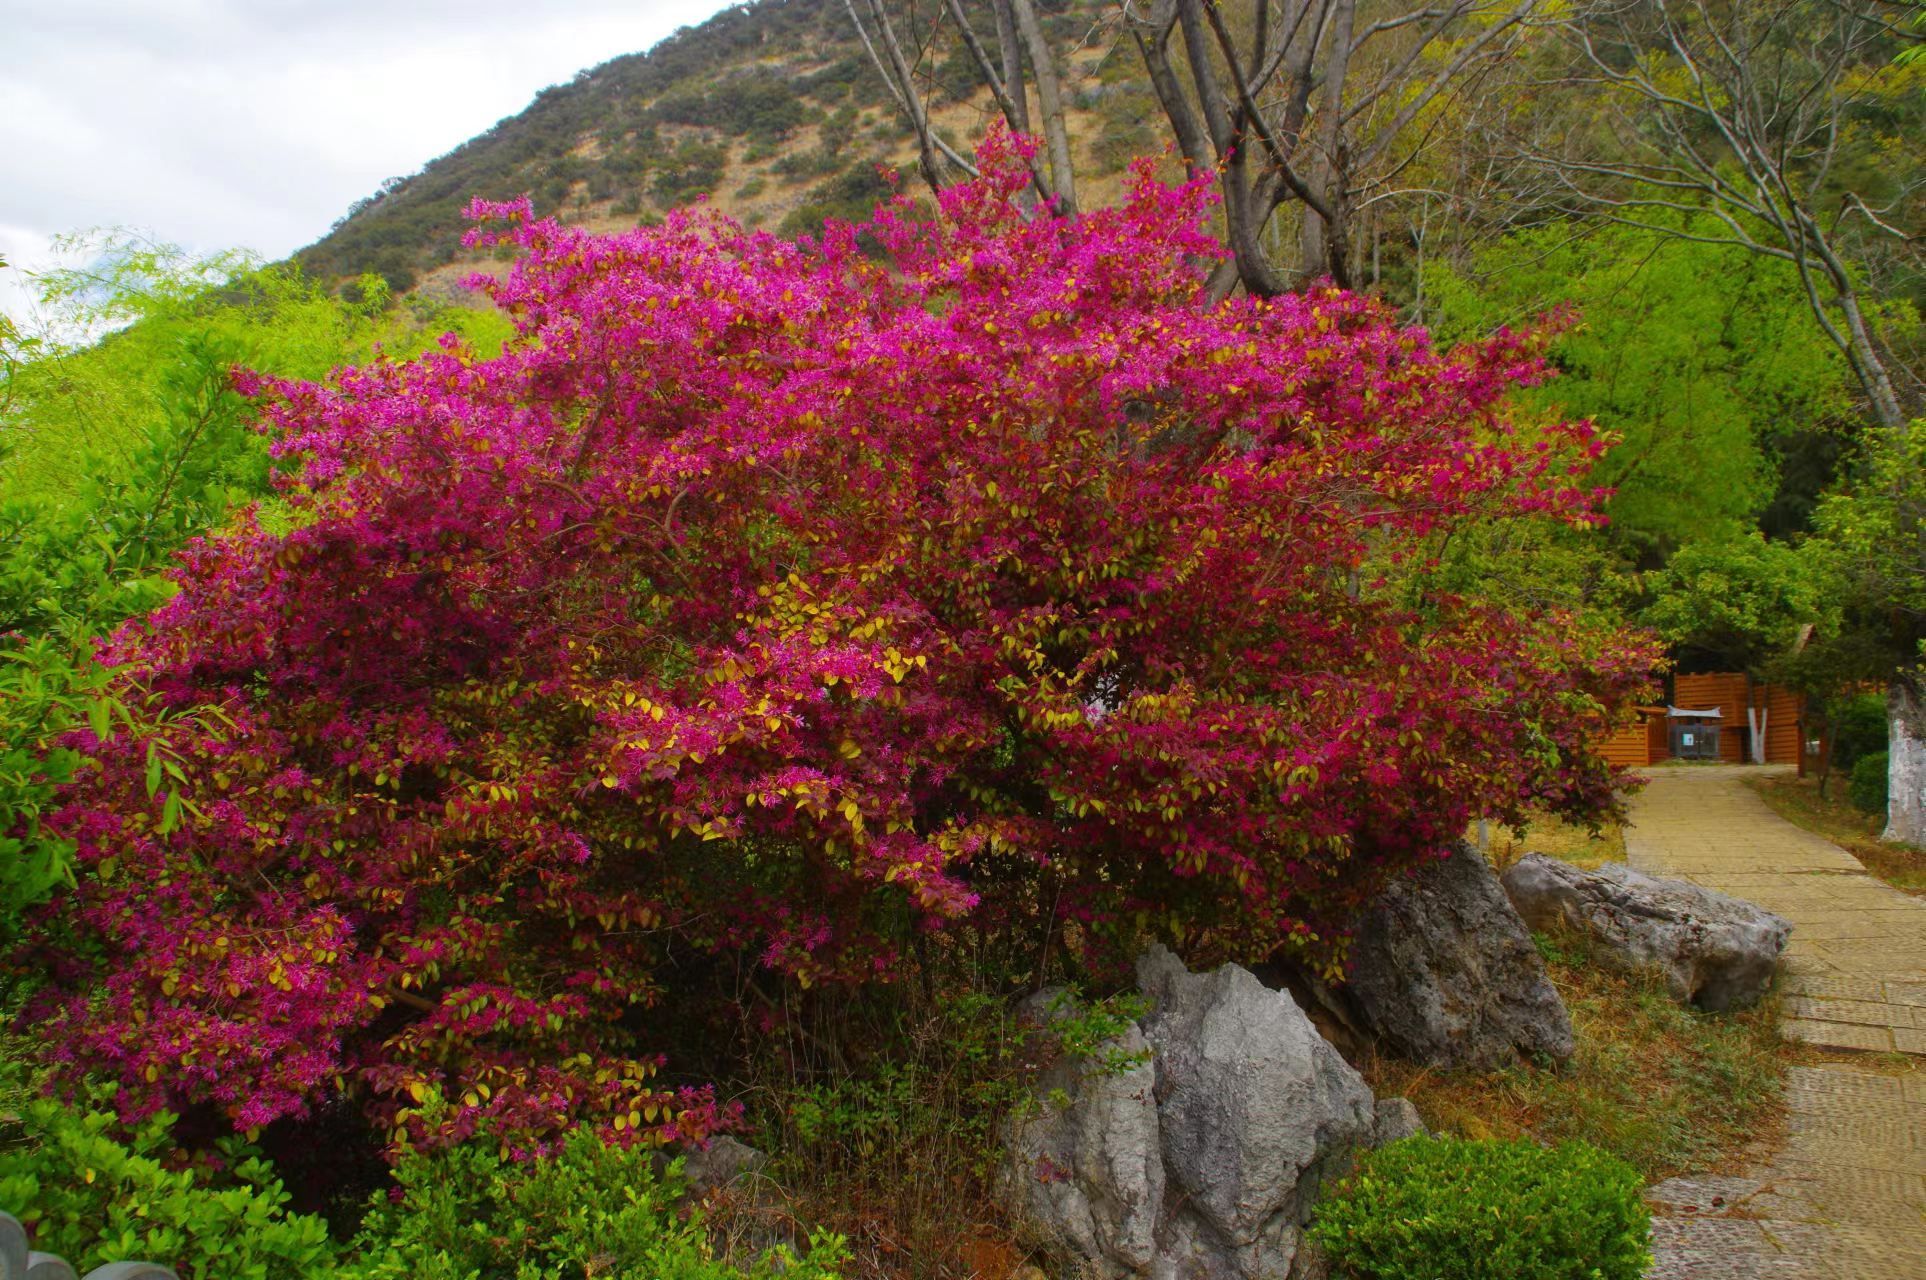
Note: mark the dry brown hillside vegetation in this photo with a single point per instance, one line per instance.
(773, 110)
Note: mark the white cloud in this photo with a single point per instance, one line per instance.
(255, 123)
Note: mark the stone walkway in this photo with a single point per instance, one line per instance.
(1845, 1197)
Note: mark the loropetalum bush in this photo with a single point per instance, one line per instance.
(781, 602)
(1429, 1207)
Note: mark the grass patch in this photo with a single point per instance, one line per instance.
(1798, 801)
(1667, 1089)
(1566, 841)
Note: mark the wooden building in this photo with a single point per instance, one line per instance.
(1744, 707)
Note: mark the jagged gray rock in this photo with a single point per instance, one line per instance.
(1396, 1120)
(723, 1163)
(1201, 1158)
(1091, 1173)
(1714, 951)
(1254, 1105)
(1445, 972)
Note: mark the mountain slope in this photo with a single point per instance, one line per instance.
(772, 109)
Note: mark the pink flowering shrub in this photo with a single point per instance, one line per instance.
(777, 602)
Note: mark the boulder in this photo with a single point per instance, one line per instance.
(1091, 1173)
(1444, 972)
(1396, 1120)
(724, 1163)
(1714, 951)
(1199, 1158)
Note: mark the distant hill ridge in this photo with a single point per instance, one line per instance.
(772, 109)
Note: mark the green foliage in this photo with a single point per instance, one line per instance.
(1533, 564)
(1429, 1207)
(694, 169)
(850, 196)
(1858, 729)
(1743, 599)
(130, 378)
(45, 692)
(1707, 387)
(758, 105)
(1868, 547)
(801, 165)
(935, 1084)
(892, 1104)
(1867, 786)
(588, 1210)
(1130, 124)
(121, 437)
(95, 1197)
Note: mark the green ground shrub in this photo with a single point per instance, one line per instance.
(93, 1198)
(1428, 1208)
(589, 1210)
(93, 1195)
(1866, 787)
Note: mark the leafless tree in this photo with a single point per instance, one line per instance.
(1322, 104)
(1018, 33)
(1729, 121)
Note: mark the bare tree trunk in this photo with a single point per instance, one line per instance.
(1056, 133)
(899, 78)
(1906, 760)
(1323, 246)
(1012, 54)
(1015, 110)
(1863, 354)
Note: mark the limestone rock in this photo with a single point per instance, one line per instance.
(1445, 972)
(1090, 1173)
(724, 1163)
(1253, 1104)
(1201, 1158)
(1395, 1121)
(1714, 951)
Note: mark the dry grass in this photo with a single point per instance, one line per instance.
(1556, 838)
(1666, 1088)
(1798, 801)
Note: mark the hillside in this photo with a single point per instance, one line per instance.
(771, 109)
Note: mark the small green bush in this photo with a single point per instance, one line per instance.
(92, 1198)
(1437, 1208)
(591, 1209)
(1858, 729)
(1866, 788)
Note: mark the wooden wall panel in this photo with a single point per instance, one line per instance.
(1783, 709)
(1722, 689)
(1728, 690)
(1630, 746)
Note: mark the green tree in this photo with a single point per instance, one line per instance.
(1710, 391)
(1743, 600)
(1870, 548)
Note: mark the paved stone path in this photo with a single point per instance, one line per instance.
(1845, 1197)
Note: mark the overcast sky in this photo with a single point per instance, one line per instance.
(255, 123)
